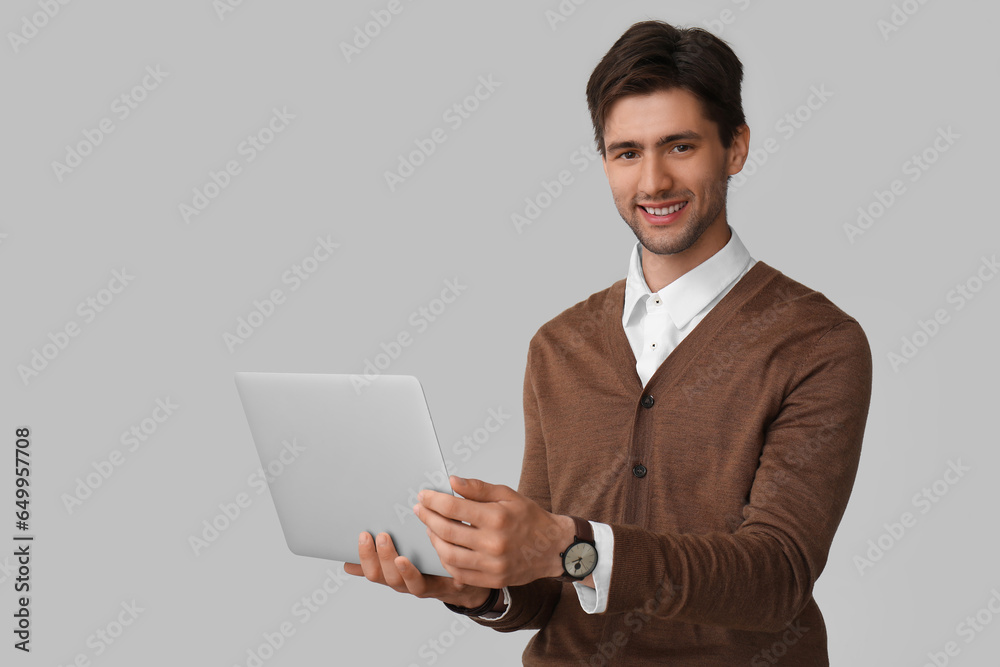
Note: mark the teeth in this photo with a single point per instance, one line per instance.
(665, 211)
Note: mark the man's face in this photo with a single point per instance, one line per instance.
(662, 152)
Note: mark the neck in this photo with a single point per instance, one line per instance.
(661, 270)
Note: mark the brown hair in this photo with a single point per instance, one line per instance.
(652, 56)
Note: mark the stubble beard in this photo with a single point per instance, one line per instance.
(672, 239)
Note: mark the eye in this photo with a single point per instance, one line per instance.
(626, 153)
(688, 147)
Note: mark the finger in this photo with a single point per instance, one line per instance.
(354, 568)
(415, 581)
(426, 585)
(447, 529)
(386, 557)
(477, 489)
(369, 559)
(461, 577)
(453, 556)
(449, 506)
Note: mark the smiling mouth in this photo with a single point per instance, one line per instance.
(664, 210)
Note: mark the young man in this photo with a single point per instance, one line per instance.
(704, 416)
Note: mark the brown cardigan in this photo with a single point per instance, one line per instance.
(750, 433)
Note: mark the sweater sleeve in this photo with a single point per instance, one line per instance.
(761, 576)
(531, 604)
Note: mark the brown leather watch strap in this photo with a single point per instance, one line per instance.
(584, 530)
(489, 605)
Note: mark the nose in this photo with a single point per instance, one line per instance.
(654, 176)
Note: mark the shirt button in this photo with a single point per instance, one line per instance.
(647, 401)
(639, 470)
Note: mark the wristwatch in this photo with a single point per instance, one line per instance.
(580, 558)
(486, 607)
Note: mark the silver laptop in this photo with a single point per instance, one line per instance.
(343, 454)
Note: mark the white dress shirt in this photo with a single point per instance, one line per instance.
(655, 324)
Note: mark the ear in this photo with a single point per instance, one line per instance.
(736, 154)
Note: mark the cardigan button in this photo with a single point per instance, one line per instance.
(647, 401)
(639, 470)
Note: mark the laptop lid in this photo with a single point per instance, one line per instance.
(363, 451)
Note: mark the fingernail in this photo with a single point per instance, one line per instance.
(402, 567)
(416, 510)
(383, 540)
(420, 496)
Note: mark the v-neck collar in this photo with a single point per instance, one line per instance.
(672, 367)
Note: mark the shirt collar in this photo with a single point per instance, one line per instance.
(688, 295)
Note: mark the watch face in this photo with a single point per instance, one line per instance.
(580, 559)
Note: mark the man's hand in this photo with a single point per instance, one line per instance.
(510, 539)
(383, 565)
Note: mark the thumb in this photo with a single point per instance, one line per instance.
(477, 489)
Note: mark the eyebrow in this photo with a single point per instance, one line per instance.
(687, 135)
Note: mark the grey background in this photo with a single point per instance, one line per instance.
(324, 176)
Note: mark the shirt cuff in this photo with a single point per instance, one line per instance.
(595, 600)
(496, 616)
